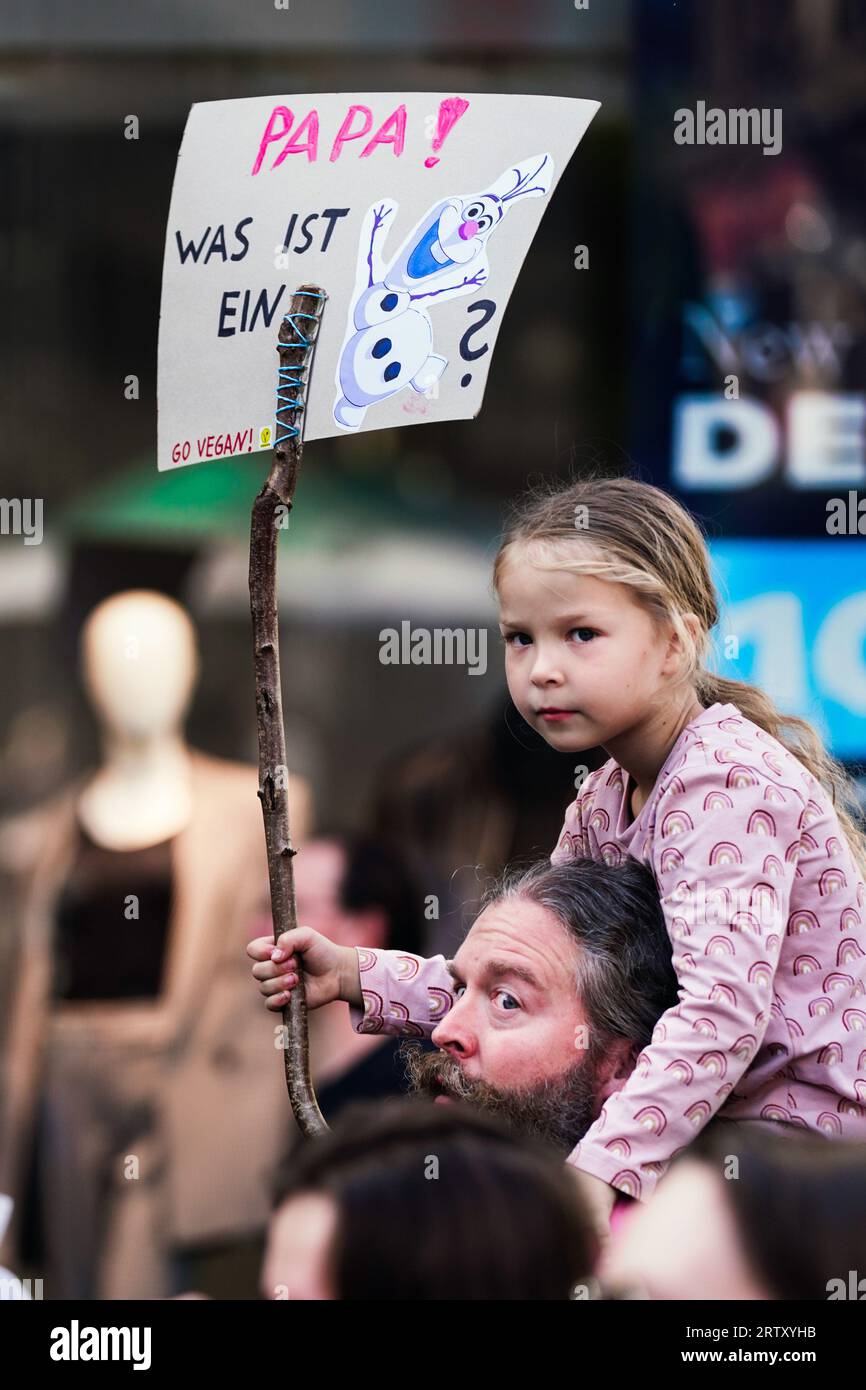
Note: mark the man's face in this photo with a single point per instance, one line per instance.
(517, 1040)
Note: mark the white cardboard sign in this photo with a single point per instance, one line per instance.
(413, 211)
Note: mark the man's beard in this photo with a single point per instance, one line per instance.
(558, 1110)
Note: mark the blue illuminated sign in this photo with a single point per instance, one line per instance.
(794, 623)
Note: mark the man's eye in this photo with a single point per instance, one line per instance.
(585, 634)
(459, 990)
(510, 639)
(503, 994)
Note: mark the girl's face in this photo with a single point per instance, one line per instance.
(583, 661)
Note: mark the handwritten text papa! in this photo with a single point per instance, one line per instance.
(357, 124)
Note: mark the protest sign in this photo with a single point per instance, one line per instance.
(414, 213)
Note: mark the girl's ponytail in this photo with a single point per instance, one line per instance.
(800, 738)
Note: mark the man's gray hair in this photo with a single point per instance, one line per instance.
(625, 977)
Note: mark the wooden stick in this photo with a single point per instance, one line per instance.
(297, 335)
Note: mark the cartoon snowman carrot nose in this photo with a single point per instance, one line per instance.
(445, 255)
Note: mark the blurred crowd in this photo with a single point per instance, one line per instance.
(147, 1147)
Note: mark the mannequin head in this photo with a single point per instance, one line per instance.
(139, 663)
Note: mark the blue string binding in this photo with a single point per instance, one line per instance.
(287, 381)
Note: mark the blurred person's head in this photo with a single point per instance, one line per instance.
(358, 891)
(402, 1200)
(747, 1213)
(559, 984)
(139, 663)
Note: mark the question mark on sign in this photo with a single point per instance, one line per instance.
(488, 309)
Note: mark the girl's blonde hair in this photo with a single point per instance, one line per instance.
(629, 532)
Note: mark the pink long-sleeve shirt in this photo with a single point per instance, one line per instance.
(765, 908)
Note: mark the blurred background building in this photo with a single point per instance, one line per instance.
(706, 263)
(748, 308)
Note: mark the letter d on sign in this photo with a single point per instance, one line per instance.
(701, 457)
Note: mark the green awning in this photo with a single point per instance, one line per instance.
(214, 500)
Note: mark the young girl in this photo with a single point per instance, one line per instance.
(606, 606)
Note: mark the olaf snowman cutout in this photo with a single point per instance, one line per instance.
(389, 334)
